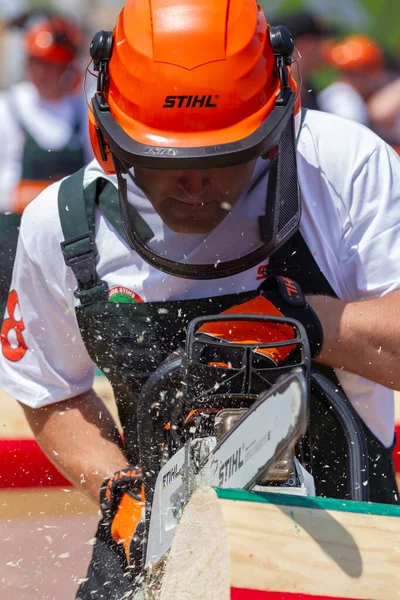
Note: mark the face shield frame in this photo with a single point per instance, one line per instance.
(135, 154)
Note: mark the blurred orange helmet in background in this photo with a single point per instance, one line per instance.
(354, 53)
(189, 74)
(54, 39)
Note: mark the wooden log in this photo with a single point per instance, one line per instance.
(233, 544)
(48, 502)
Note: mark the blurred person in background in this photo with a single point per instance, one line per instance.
(384, 112)
(43, 127)
(11, 9)
(309, 34)
(362, 71)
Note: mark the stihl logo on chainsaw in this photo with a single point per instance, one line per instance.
(170, 476)
(231, 466)
(190, 101)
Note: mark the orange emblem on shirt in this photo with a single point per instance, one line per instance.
(10, 350)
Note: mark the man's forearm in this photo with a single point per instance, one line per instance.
(81, 438)
(362, 337)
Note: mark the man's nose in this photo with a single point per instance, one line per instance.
(194, 183)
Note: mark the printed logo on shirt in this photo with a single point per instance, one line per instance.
(123, 295)
(12, 341)
(262, 272)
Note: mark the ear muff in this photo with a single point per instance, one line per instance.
(281, 41)
(283, 46)
(101, 48)
(100, 52)
(100, 146)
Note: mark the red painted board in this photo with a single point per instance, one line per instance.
(246, 594)
(24, 465)
(396, 451)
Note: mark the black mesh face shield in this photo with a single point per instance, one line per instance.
(279, 222)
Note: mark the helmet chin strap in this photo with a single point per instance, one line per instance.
(280, 221)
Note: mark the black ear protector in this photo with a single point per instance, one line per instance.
(282, 41)
(283, 46)
(100, 51)
(101, 48)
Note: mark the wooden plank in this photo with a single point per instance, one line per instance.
(63, 502)
(45, 557)
(298, 550)
(287, 547)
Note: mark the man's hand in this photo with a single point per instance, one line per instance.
(123, 505)
(80, 438)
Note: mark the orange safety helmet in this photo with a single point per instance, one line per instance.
(354, 53)
(54, 39)
(190, 84)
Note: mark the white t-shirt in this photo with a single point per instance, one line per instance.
(350, 183)
(49, 123)
(343, 100)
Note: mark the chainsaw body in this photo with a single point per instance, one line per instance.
(223, 414)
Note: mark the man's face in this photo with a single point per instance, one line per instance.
(194, 201)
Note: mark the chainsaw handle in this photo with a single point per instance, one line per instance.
(300, 340)
(357, 452)
(150, 429)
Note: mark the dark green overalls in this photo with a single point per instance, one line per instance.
(38, 164)
(128, 341)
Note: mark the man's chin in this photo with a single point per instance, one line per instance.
(200, 224)
(190, 227)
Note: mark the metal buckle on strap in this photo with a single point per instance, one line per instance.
(93, 294)
(78, 257)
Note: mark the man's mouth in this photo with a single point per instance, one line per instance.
(195, 204)
(202, 211)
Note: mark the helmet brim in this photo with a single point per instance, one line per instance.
(133, 153)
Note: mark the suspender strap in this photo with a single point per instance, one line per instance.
(294, 259)
(78, 225)
(282, 262)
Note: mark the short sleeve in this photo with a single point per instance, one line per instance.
(370, 247)
(43, 359)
